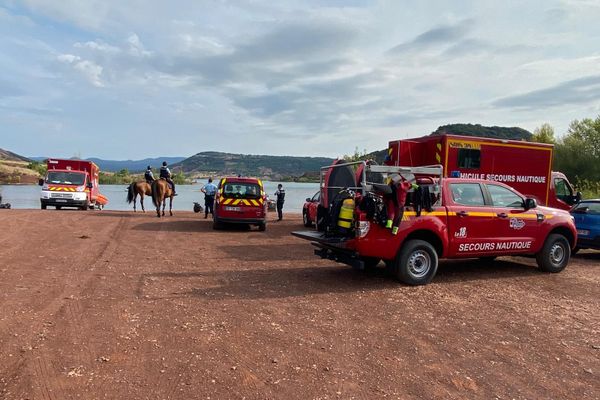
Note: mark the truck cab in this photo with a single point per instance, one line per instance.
(450, 218)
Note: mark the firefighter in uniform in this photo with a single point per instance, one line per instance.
(148, 175)
(280, 193)
(165, 174)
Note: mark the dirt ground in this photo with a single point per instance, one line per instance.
(119, 305)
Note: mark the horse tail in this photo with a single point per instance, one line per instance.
(130, 193)
(155, 194)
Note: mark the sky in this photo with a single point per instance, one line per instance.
(134, 79)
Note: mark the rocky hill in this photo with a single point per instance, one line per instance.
(496, 132)
(267, 167)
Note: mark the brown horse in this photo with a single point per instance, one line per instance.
(160, 191)
(142, 188)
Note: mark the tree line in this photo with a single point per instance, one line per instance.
(576, 153)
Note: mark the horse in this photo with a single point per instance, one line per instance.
(142, 188)
(160, 191)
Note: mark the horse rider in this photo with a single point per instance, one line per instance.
(165, 174)
(209, 191)
(149, 176)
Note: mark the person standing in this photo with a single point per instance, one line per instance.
(209, 191)
(149, 176)
(165, 174)
(280, 194)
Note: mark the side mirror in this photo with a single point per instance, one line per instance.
(41, 182)
(308, 199)
(90, 185)
(581, 210)
(530, 203)
(578, 197)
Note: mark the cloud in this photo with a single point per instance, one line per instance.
(441, 35)
(90, 70)
(576, 91)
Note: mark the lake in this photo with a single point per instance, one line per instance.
(28, 196)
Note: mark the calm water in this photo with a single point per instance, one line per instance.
(28, 196)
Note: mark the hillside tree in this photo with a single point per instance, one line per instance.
(544, 134)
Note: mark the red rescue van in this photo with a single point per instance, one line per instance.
(240, 201)
(526, 166)
(71, 183)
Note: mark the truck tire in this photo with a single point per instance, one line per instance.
(217, 225)
(555, 254)
(58, 207)
(262, 226)
(43, 206)
(416, 263)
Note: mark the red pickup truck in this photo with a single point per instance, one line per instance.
(447, 218)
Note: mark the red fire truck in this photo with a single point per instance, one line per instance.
(434, 217)
(526, 166)
(71, 183)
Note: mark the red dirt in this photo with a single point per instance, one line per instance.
(122, 305)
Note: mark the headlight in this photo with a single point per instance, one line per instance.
(80, 188)
(45, 187)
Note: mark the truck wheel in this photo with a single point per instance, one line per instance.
(43, 206)
(58, 207)
(306, 218)
(416, 263)
(555, 254)
(262, 227)
(217, 225)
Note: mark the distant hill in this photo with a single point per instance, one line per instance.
(14, 169)
(496, 132)
(131, 165)
(266, 167)
(6, 155)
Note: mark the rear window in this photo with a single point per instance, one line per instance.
(239, 190)
(468, 194)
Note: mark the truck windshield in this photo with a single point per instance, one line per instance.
(65, 178)
(241, 191)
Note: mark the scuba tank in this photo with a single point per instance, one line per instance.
(346, 214)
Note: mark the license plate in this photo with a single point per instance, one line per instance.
(60, 201)
(583, 232)
(232, 209)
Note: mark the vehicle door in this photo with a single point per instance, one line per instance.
(587, 221)
(312, 207)
(563, 192)
(468, 221)
(516, 229)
